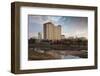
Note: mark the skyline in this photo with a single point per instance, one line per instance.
(71, 26)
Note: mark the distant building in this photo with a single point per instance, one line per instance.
(39, 35)
(62, 36)
(52, 32)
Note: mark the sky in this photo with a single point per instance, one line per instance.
(71, 26)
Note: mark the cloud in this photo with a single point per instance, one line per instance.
(33, 35)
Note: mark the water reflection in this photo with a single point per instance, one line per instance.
(69, 57)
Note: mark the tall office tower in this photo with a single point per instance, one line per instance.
(52, 32)
(39, 35)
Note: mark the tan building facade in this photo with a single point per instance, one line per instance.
(51, 32)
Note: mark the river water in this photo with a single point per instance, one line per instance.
(69, 57)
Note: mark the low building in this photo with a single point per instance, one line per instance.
(62, 36)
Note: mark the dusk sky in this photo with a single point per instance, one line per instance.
(71, 26)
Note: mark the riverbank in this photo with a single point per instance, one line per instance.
(55, 54)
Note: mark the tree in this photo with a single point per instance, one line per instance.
(32, 41)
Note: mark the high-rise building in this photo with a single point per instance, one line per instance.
(39, 35)
(52, 32)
